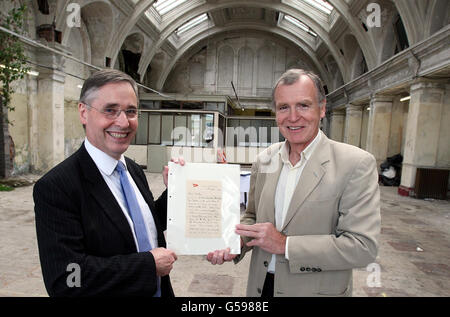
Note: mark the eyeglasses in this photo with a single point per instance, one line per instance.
(114, 113)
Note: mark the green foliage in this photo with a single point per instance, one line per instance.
(5, 188)
(12, 56)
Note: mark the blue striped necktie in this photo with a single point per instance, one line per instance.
(136, 215)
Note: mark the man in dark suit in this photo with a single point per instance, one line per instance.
(90, 241)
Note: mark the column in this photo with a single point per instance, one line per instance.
(325, 122)
(6, 163)
(337, 125)
(378, 129)
(397, 130)
(364, 126)
(423, 129)
(353, 122)
(48, 116)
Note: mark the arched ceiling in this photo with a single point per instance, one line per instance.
(272, 16)
(317, 27)
(252, 11)
(223, 13)
(235, 28)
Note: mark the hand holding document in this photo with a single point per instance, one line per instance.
(203, 208)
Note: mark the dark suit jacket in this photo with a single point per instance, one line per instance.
(79, 221)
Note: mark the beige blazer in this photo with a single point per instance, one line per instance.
(333, 220)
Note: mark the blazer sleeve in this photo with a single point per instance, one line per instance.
(161, 207)
(71, 270)
(354, 243)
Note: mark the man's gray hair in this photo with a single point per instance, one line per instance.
(102, 78)
(293, 75)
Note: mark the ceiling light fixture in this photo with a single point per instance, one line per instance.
(405, 98)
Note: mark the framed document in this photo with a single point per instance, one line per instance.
(203, 208)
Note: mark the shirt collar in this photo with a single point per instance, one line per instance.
(105, 163)
(306, 153)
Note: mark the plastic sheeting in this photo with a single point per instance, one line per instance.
(203, 208)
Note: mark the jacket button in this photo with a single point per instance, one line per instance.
(302, 269)
(266, 264)
(308, 269)
(314, 269)
(319, 269)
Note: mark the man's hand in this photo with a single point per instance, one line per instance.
(179, 160)
(220, 256)
(164, 259)
(265, 236)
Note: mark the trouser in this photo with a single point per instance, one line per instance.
(268, 285)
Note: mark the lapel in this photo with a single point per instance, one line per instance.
(99, 190)
(272, 173)
(310, 178)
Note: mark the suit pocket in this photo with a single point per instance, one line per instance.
(335, 283)
(322, 196)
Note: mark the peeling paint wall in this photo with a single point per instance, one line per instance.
(73, 130)
(19, 128)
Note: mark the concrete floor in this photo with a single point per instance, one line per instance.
(413, 259)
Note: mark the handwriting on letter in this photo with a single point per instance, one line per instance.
(203, 209)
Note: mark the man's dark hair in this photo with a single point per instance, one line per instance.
(102, 78)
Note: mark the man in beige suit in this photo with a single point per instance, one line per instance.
(314, 204)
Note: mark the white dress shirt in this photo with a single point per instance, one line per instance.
(287, 182)
(107, 165)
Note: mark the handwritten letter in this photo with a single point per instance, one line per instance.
(203, 209)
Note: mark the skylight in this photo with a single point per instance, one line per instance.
(299, 24)
(164, 6)
(190, 24)
(322, 5)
